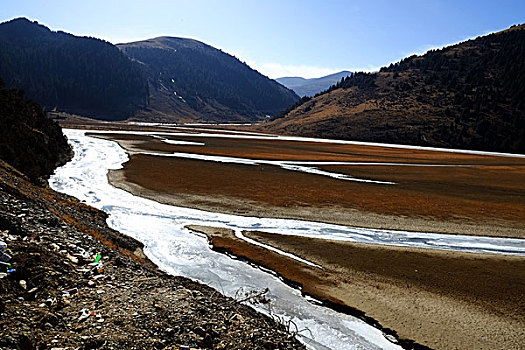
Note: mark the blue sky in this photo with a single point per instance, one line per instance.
(283, 37)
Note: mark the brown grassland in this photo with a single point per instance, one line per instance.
(487, 198)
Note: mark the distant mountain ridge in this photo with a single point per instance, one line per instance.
(193, 80)
(81, 75)
(310, 87)
(470, 95)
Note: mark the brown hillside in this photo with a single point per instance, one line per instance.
(470, 95)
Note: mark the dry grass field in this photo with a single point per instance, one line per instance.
(487, 197)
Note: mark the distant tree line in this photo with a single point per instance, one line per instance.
(482, 87)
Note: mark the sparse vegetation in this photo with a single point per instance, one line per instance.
(470, 95)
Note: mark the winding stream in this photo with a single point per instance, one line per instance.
(177, 251)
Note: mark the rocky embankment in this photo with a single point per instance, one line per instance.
(70, 282)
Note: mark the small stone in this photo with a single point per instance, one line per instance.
(23, 284)
(84, 314)
(207, 342)
(170, 332)
(199, 331)
(73, 259)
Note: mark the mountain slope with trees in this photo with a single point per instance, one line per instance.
(29, 141)
(191, 80)
(169, 79)
(470, 95)
(80, 75)
(310, 87)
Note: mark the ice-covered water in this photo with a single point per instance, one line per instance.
(174, 249)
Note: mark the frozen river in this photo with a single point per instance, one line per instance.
(177, 251)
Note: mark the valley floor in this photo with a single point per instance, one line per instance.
(421, 191)
(440, 299)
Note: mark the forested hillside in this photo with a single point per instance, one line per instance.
(169, 79)
(194, 80)
(29, 141)
(76, 74)
(469, 95)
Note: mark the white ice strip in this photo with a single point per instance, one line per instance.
(183, 143)
(196, 156)
(461, 243)
(239, 135)
(338, 176)
(256, 136)
(208, 130)
(192, 126)
(239, 235)
(218, 124)
(179, 142)
(177, 251)
(306, 162)
(293, 166)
